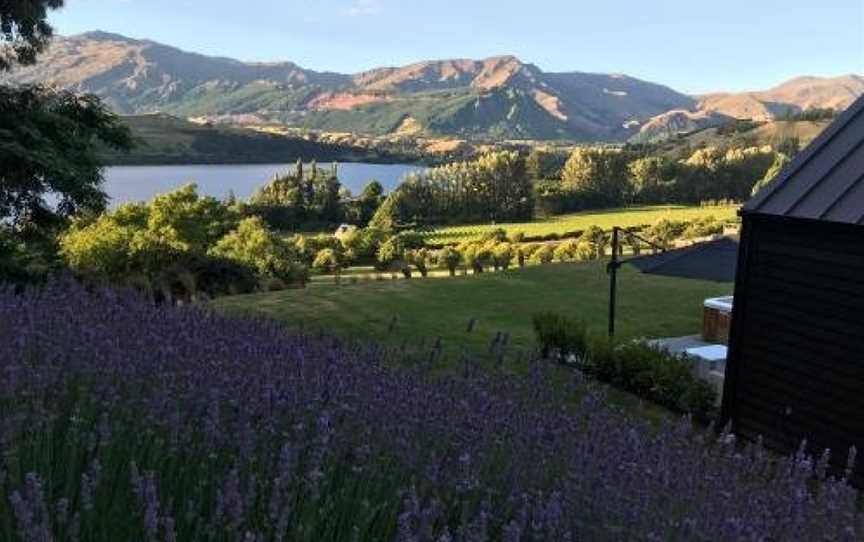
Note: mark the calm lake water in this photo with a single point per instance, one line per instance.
(140, 183)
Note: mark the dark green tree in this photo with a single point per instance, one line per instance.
(48, 138)
(24, 30)
(48, 149)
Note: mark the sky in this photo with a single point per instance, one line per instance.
(693, 46)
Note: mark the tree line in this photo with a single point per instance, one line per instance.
(511, 187)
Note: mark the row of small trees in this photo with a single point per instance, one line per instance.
(406, 252)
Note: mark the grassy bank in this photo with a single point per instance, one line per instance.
(416, 312)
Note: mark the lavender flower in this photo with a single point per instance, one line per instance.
(254, 432)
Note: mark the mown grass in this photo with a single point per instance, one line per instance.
(418, 311)
(605, 219)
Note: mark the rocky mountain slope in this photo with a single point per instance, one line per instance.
(499, 97)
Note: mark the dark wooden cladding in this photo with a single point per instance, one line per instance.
(796, 366)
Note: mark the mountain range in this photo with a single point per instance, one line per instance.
(494, 98)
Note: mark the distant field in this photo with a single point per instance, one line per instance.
(606, 219)
(416, 312)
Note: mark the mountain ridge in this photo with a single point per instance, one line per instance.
(496, 97)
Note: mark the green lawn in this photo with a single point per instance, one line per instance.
(424, 309)
(606, 219)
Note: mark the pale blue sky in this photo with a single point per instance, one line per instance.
(693, 46)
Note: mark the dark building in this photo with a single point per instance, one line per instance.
(796, 354)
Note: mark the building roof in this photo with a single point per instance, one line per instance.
(826, 180)
(713, 260)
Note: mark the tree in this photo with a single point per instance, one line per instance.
(254, 245)
(651, 179)
(780, 162)
(196, 222)
(566, 250)
(25, 30)
(597, 239)
(502, 255)
(48, 138)
(543, 254)
(48, 144)
(451, 258)
(598, 177)
(388, 217)
(329, 260)
(419, 258)
(476, 255)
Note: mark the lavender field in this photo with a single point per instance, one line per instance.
(120, 420)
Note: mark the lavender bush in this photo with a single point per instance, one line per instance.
(124, 421)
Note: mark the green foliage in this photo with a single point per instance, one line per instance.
(502, 254)
(780, 162)
(567, 250)
(179, 238)
(190, 221)
(652, 178)
(665, 232)
(651, 373)
(811, 114)
(48, 142)
(559, 335)
(26, 260)
(450, 258)
(597, 240)
(305, 195)
(543, 254)
(420, 258)
(361, 210)
(388, 216)
(541, 164)
(476, 255)
(328, 260)
(101, 248)
(703, 227)
(24, 31)
(253, 245)
(492, 187)
(361, 245)
(596, 177)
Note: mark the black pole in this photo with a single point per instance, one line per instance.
(613, 280)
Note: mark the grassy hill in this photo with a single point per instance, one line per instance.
(164, 139)
(747, 133)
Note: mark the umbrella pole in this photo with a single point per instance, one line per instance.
(612, 269)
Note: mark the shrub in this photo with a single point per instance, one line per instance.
(421, 259)
(702, 227)
(557, 334)
(502, 255)
(450, 258)
(328, 260)
(653, 374)
(665, 232)
(566, 250)
(253, 244)
(543, 254)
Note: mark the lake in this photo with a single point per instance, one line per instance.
(140, 183)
